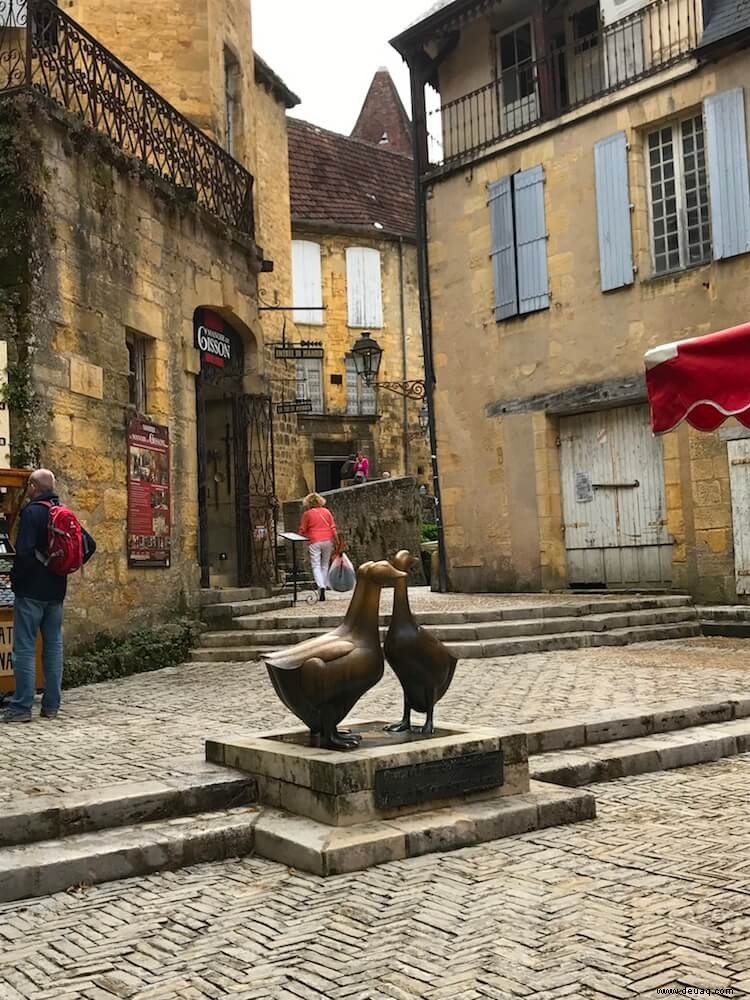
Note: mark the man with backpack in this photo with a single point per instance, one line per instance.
(50, 545)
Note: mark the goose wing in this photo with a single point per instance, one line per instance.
(294, 658)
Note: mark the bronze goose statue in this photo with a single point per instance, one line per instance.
(320, 680)
(420, 661)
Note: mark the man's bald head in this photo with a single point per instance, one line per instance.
(41, 481)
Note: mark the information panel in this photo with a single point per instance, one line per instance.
(149, 500)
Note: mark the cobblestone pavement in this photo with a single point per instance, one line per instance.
(140, 727)
(654, 894)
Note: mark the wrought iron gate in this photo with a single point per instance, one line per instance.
(257, 505)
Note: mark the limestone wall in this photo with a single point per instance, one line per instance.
(500, 475)
(122, 256)
(374, 521)
(385, 435)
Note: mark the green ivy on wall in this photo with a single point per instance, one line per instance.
(22, 230)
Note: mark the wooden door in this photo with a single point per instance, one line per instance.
(612, 477)
(739, 481)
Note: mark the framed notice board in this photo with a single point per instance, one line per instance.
(149, 496)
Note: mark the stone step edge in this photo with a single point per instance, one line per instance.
(646, 755)
(490, 648)
(633, 722)
(226, 612)
(484, 615)
(87, 859)
(201, 788)
(444, 631)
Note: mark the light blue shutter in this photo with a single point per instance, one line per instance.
(531, 240)
(613, 212)
(728, 184)
(503, 253)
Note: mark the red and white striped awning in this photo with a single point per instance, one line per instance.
(703, 380)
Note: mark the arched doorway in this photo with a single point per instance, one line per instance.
(236, 477)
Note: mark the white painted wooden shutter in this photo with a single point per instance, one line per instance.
(728, 181)
(307, 289)
(310, 382)
(503, 250)
(364, 288)
(531, 240)
(613, 212)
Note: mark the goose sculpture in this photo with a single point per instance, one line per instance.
(419, 660)
(320, 680)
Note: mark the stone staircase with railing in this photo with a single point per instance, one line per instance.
(242, 630)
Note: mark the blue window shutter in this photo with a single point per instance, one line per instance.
(613, 212)
(531, 240)
(503, 253)
(728, 182)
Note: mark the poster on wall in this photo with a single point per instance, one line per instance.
(149, 500)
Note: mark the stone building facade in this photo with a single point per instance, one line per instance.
(135, 256)
(589, 200)
(355, 265)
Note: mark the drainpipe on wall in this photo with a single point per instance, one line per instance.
(421, 159)
(404, 362)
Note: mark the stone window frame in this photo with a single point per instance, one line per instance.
(138, 347)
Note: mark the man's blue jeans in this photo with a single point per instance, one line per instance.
(29, 619)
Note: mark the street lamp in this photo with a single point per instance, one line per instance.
(367, 354)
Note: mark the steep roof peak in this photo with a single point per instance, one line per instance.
(383, 120)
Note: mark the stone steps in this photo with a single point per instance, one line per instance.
(195, 787)
(646, 754)
(231, 595)
(49, 866)
(472, 632)
(731, 621)
(224, 613)
(472, 650)
(330, 619)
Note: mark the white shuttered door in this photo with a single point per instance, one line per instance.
(307, 289)
(364, 289)
(739, 481)
(612, 474)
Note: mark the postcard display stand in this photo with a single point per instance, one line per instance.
(12, 490)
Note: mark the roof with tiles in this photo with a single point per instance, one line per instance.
(383, 120)
(341, 182)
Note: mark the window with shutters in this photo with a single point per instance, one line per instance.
(678, 190)
(310, 383)
(364, 287)
(519, 243)
(361, 400)
(307, 284)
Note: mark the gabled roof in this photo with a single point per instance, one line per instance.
(340, 182)
(726, 19)
(383, 120)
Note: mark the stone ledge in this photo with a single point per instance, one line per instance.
(323, 850)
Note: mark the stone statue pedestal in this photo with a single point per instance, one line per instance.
(395, 796)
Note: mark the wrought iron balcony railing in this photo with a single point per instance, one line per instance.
(566, 77)
(44, 50)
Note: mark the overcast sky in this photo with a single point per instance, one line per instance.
(327, 51)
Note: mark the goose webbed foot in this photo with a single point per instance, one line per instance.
(428, 728)
(403, 726)
(340, 741)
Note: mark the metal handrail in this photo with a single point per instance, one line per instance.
(569, 76)
(42, 49)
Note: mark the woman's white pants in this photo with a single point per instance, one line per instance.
(320, 559)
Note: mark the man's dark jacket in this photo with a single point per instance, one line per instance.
(30, 577)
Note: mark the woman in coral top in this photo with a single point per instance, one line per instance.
(319, 528)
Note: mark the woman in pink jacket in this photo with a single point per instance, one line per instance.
(319, 528)
(361, 468)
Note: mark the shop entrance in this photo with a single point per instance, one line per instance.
(236, 481)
